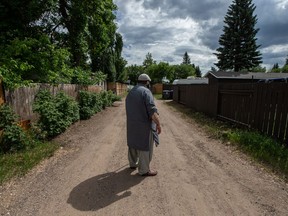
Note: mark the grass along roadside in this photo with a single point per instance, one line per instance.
(19, 163)
(261, 148)
(158, 96)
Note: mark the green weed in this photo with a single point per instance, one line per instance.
(261, 148)
(19, 163)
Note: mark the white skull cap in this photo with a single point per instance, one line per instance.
(144, 77)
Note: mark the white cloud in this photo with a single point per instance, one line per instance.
(282, 4)
(169, 28)
(276, 49)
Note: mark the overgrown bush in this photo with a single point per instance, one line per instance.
(7, 116)
(105, 99)
(57, 113)
(89, 104)
(114, 97)
(108, 97)
(68, 107)
(12, 137)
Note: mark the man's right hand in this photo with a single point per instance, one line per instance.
(158, 128)
(155, 118)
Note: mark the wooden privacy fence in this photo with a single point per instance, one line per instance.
(270, 110)
(157, 88)
(117, 88)
(235, 103)
(21, 99)
(261, 106)
(200, 97)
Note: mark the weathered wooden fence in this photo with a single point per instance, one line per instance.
(261, 106)
(201, 97)
(157, 88)
(270, 110)
(117, 88)
(21, 99)
(235, 102)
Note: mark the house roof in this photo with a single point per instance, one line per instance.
(246, 75)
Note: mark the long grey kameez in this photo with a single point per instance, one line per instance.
(141, 132)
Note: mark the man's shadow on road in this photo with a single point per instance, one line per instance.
(103, 190)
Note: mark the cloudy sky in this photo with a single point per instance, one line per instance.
(169, 28)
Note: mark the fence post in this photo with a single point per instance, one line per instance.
(215, 95)
(2, 96)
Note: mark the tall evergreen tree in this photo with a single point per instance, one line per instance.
(186, 59)
(275, 66)
(198, 71)
(213, 69)
(238, 49)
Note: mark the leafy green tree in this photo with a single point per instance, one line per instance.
(186, 59)
(86, 77)
(91, 28)
(121, 74)
(102, 30)
(19, 19)
(259, 69)
(158, 71)
(276, 68)
(133, 72)
(55, 40)
(120, 62)
(148, 61)
(36, 60)
(285, 67)
(238, 49)
(183, 71)
(74, 20)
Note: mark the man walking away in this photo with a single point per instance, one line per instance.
(143, 126)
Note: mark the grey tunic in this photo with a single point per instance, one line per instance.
(140, 107)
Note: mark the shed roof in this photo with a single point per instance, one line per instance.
(189, 80)
(246, 75)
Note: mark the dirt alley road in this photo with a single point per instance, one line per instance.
(196, 175)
